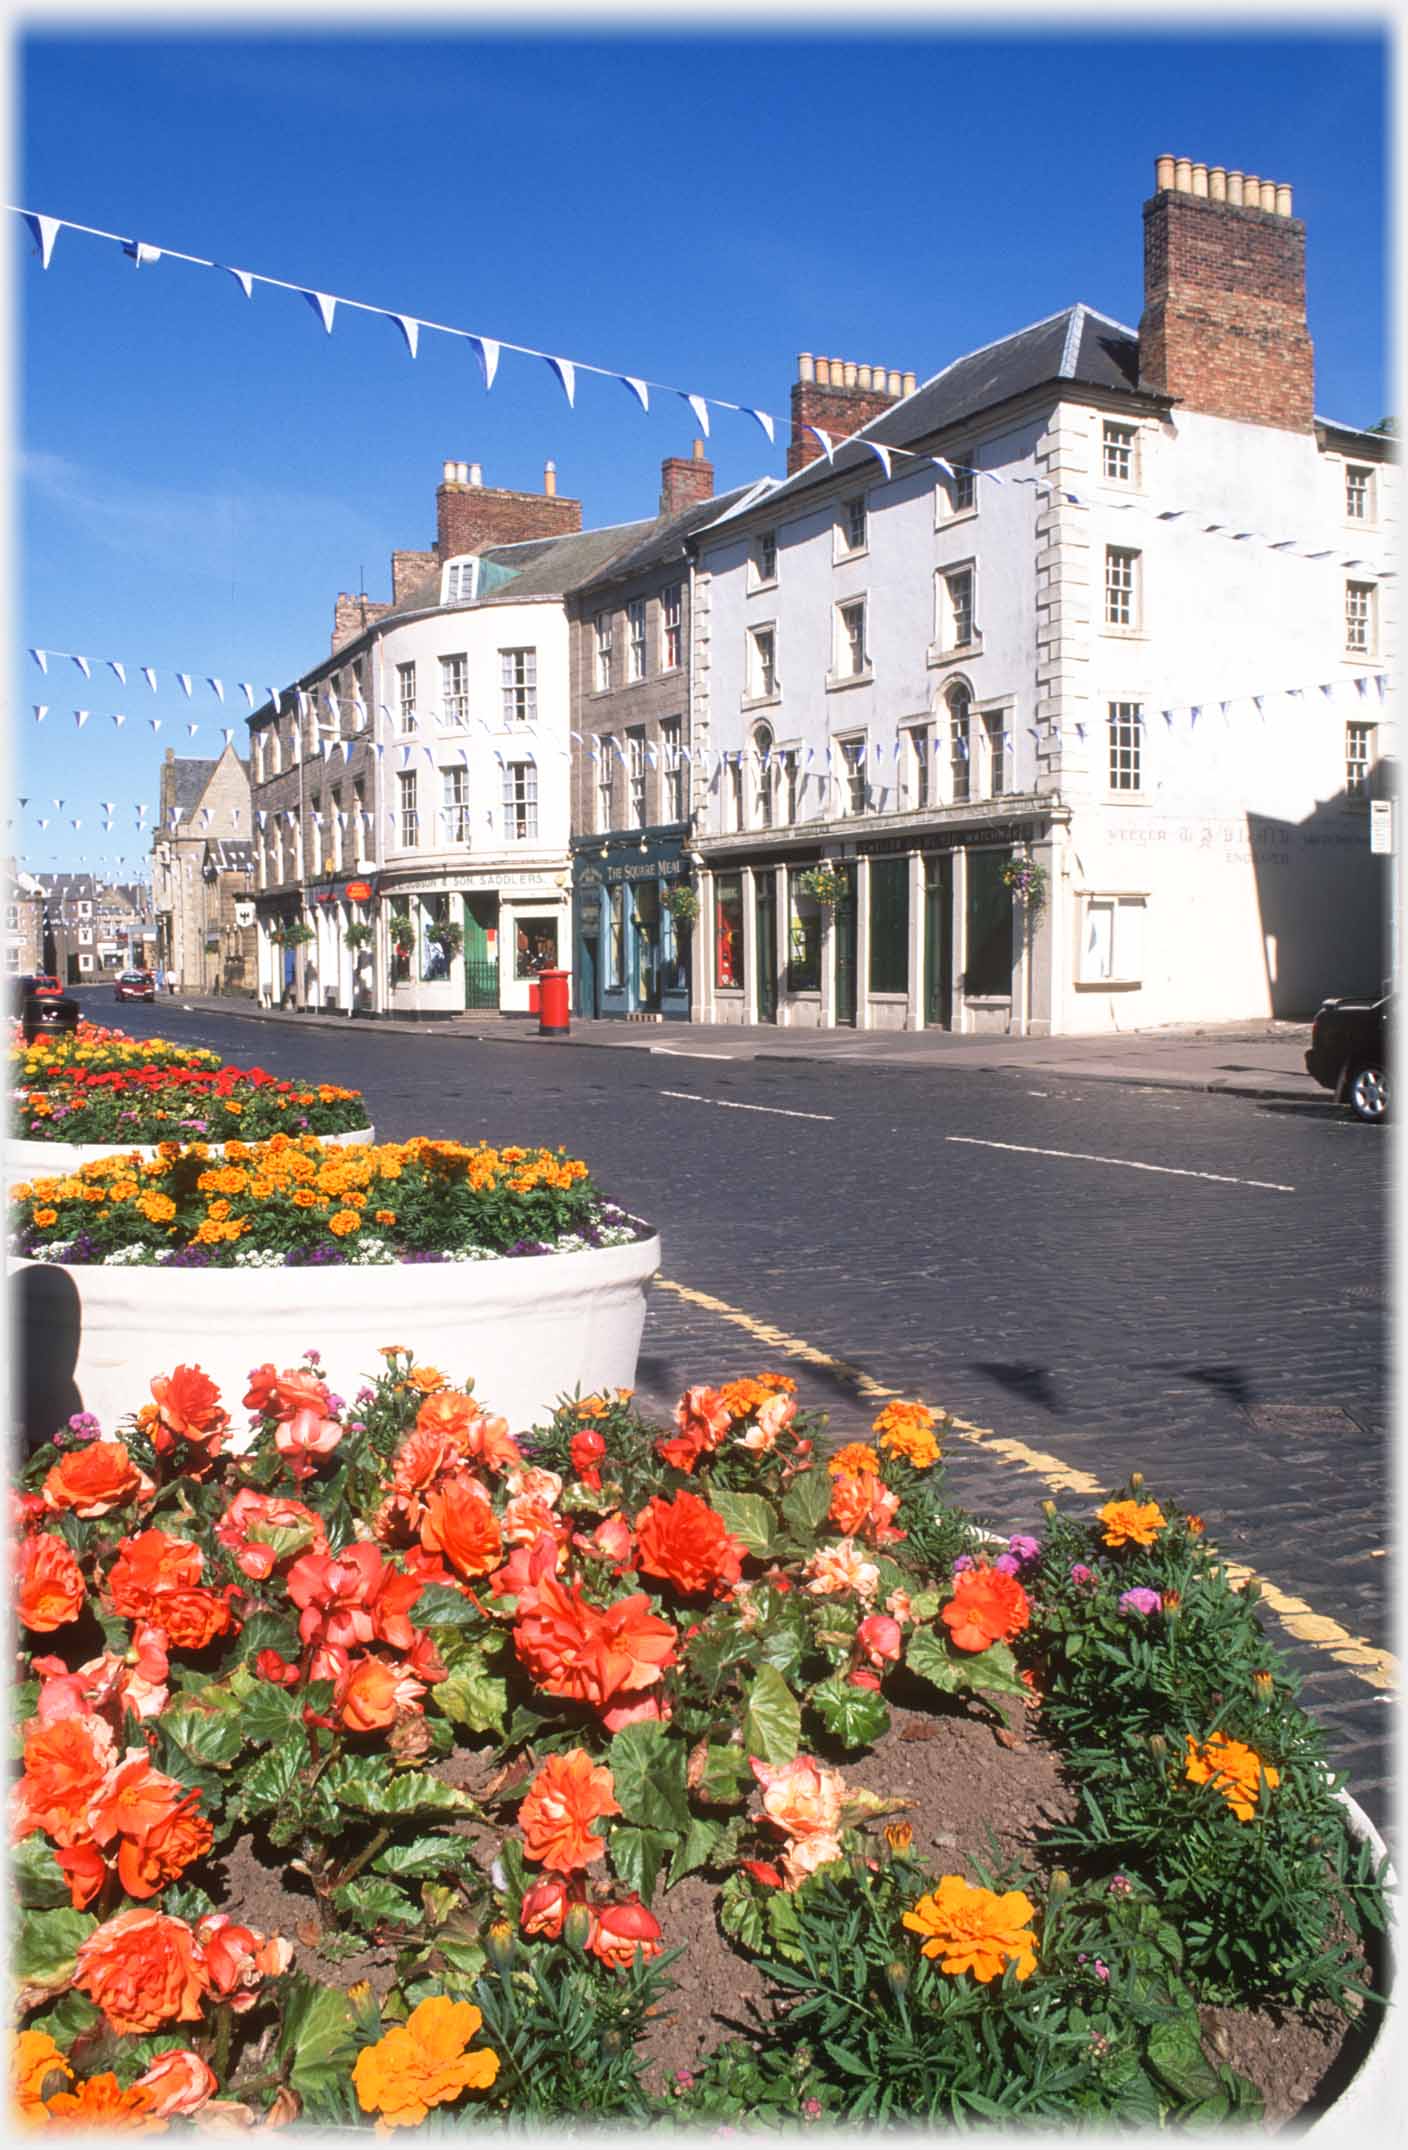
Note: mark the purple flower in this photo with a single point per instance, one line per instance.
(1023, 1548)
(964, 1560)
(1006, 1564)
(1082, 1576)
(1101, 1970)
(1120, 1885)
(366, 1395)
(1141, 1601)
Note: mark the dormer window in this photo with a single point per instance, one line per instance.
(459, 580)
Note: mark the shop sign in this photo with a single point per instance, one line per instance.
(501, 880)
(359, 891)
(955, 839)
(647, 870)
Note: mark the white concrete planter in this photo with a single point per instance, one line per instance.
(527, 1329)
(29, 1160)
(1370, 2107)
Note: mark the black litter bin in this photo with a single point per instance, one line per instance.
(49, 1015)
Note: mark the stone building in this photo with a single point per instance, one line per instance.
(93, 928)
(24, 921)
(202, 868)
(1106, 602)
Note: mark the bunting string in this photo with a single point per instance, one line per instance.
(489, 349)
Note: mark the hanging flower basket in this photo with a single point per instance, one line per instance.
(682, 903)
(358, 935)
(1027, 881)
(447, 933)
(403, 935)
(296, 935)
(827, 885)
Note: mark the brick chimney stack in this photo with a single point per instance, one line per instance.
(840, 396)
(1224, 324)
(685, 481)
(470, 516)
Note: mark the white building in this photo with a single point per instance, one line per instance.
(1112, 598)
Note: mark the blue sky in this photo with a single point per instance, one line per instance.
(199, 473)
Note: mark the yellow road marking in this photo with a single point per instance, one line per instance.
(1378, 1668)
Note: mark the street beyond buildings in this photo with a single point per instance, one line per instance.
(1092, 1276)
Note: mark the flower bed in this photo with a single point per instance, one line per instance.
(151, 1103)
(461, 1723)
(97, 1051)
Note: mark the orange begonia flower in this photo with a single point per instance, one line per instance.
(93, 1480)
(569, 1793)
(423, 2063)
(143, 1969)
(177, 2081)
(370, 1693)
(687, 1543)
(987, 1606)
(1235, 1771)
(1131, 1522)
(66, 1764)
(188, 1403)
(975, 1930)
(460, 1523)
(585, 1654)
(621, 1932)
(49, 1583)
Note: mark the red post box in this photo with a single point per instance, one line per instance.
(534, 1001)
(553, 1018)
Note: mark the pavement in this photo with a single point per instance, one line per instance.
(1248, 1059)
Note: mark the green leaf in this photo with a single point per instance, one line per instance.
(855, 1715)
(637, 1856)
(264, 1631)
(749, 1518)
(808, 1503)
(369, 1901)
(71, 2016)
(648, 1770)
(440, 1606)
(211, 1739)
(772, 1722)
(697, 1849)
(784, 1924)
(741, 1912)
(994, 1671)
(727, 1779)
(1177, 2056)
(45, 1946)
(317, 2043)
(472, 1697)
(270, 1713)
(421, 1859)
(930, 1658)
(37, 1875)
(284, 1538)
(367, 1787)
(269, 1781)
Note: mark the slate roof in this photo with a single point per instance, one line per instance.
(1076, 344)
(543, 567)
(664, 539)
(225, 854)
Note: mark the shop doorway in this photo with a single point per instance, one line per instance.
(481, 952)
(587, 976)
(938, 942)
(765, 931)
(988, 939)
(844, 916)
(646, 924)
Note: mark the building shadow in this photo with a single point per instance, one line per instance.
(1322, 895)
(1032, 1383)
(46, 1319)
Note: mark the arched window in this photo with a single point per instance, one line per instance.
(766, 774)
(958, 702)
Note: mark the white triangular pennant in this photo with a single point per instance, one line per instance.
(226, 736)
(118, 720)
(80, 717)
(764, 419)
(46, 229)
(824, 438)
(244, 280)
(638, 389)
(247, 691)
(41, 658)
(879, 451)
(567, 374)
(185, 680)
(149, 676)
(487, 353)
(84, 667)
(219, 686)
(140, 254)
(410, 329)
(116, 665)
(323, 307)
(700, 409)
(155, 723)
(191, 730)
(41, 711)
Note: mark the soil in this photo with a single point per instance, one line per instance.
(974, 1792)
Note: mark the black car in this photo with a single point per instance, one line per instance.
(1349, 1054)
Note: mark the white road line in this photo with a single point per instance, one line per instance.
(1086, 1157)
(729, 1105)
(671, 1052)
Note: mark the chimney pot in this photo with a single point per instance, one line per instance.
(823, 372)
(451, 471)
(850, 373)
(1217, 183)
(697, 451)
(862, 376)
(806, 366)
(550, 479)
(909, 384)
(1251, 191)
(1200, 180)
(1183, 175)
(896, 385)
(1163, 174)
(472, 475)
(1268, 196)
(1235, 184)
(1283, 201)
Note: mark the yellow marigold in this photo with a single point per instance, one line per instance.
(1131, 1522)
(22, 1192)
(99, 2104)
(781, 1382)
(975, 1930)
(854, 1459)
(426, 1378)
(233, 1105)
(157, 1208)
(237, 1152)
(34, 2058)
(385, 1216)
(343, 1221)
(46, 1217)
(219, 1211)
(304, 1198)
(1233, 1769)
(124, 1190)
(230, 1180)
(742, 1398)
(907, 1429)
(423, 2062)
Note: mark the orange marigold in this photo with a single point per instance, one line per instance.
(907, 1429)
(975, 1930)
(34, 2060)
(1131, 1522)
(855, 1457)
(423, 2062)
(343, 1221)
(986, 1607)
(100, 2102)
(569, 1793)
(1234, 1770)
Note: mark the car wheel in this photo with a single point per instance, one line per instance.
(1367, 1094)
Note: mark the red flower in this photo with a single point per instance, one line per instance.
(621, 1931)
(157, 1578)
(335, 1592)
(763, 1870)
(703, 1419)
(569, 1794)
(460, 1523)
(188, 1406)
(94, 1480)
(685, 1542)
(236, 1959)
(544, 1907)
(587, 1450)
(49, 1583)
(987, 1606)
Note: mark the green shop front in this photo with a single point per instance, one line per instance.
(633, 951)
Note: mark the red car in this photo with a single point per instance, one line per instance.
(135, 985)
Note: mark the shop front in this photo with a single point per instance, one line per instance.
(633, 937)
(906, 931)
(476, 945)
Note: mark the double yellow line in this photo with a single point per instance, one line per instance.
(1377, 1668)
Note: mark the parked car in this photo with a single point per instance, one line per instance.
(1349, 1054)
(41, 983)
(135, 985)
